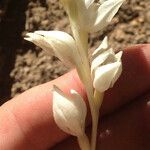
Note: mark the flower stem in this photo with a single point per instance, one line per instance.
(85, 75)
(98, 98)
(94, 132)
(84, 142)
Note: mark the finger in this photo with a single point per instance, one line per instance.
(27, 120)
(126, 129)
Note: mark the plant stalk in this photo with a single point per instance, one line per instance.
(86, 79)
(84, 71)
(84, 142)
(98, 98)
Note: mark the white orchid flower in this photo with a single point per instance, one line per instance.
(57, 43)
(69, 112)
(85, 16)
(90, 15)
(106, 67)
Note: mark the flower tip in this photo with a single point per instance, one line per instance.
(119, 55)
(102, 46)
(105, 42)
(32, 37)
(29, 37)
(29, 34)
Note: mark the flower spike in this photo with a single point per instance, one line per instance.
(101, 14)
(86, 16)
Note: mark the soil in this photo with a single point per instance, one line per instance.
(22, 65)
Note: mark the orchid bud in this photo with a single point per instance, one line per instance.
(101, 13)
(106, 76)
(106, 67)
(57, 43)
(91, 16)
(69, 112)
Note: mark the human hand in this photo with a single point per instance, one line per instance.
(26, 121)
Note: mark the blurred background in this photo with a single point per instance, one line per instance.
(22, 65)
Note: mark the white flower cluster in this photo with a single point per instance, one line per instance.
(106, 67)
(86, 16)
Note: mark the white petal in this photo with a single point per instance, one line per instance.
(80, 104)
(69, 112)
(91, 16)
(103, 45)
(116, 75)
(119, 71)
(119, 55)
(111, 57)
(88, 3)
(100, 59)
(76, 10)
(104, 14)
(63, 44)
(39, 41)
(105, 75)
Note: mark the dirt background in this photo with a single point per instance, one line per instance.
(22, 65)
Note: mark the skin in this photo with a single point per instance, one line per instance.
(26, 121)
